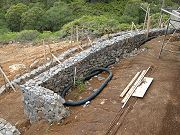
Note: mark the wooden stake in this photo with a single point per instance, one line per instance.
(75, 75)
(89, 39)
(4, 81)
(130, 84)
(161, 14)
(56, 58)
(7, 79)
(145, 19)
(71, 35)
(148, 22)
(134, 26)
(77, 34)
(45, 57)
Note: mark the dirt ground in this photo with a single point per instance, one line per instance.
(28, 55)
(158, 113)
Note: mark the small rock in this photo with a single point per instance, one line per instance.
(17, 67)
(103, 101)
(9, 133)
(86, 104)
(101, 78)
(117, 59)
(95, 90)
(90, 88)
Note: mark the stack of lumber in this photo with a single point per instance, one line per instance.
(137, 87)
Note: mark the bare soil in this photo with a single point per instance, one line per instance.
(158, 113)
(27, 54)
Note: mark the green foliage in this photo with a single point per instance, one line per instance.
(80, 85)
(133, 10)
(124, 26)
(13, 16)
(57, 16)
(155, 19)
(7, 37)
(98, 25)
(4, 30)
(32, 19)
(45, 35)
(128, 19)
(27, 35)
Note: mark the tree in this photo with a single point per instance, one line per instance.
(13, 16)
(57, 16)
(32, 19)
(133, 10)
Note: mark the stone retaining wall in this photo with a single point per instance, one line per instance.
(41, 100)
(27, 76)
(7, 129)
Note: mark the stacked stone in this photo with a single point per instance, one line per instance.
(40, 98)
(7, 129)
(39, 70)
(41, 103)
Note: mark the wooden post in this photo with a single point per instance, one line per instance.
(148, 22)
(53, 54)
(161, 14)
(71, 35)
(77, 33)
(145, 19)
(45, 57)
(89, 40)
(7, 79)
(134, 26)
(4, 81)
(131, 26)
(75, 75)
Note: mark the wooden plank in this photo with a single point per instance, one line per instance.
(130, 92)
(7, 79)
(170, 13)
(141, 90)
(133, 88)
(130, 84)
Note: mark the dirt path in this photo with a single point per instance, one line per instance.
(158, 113)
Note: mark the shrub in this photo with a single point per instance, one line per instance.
(98, 25)
(7, 37)
(27, 35)
(57, 16)
(133, 10)
(155, 19)
(124, 26)
(128, 19)
(4, 30)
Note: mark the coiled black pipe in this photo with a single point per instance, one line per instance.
(92, 96)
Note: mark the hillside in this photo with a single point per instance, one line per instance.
(34, 20)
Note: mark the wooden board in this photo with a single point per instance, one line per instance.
(141, 90)
(130, 84)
